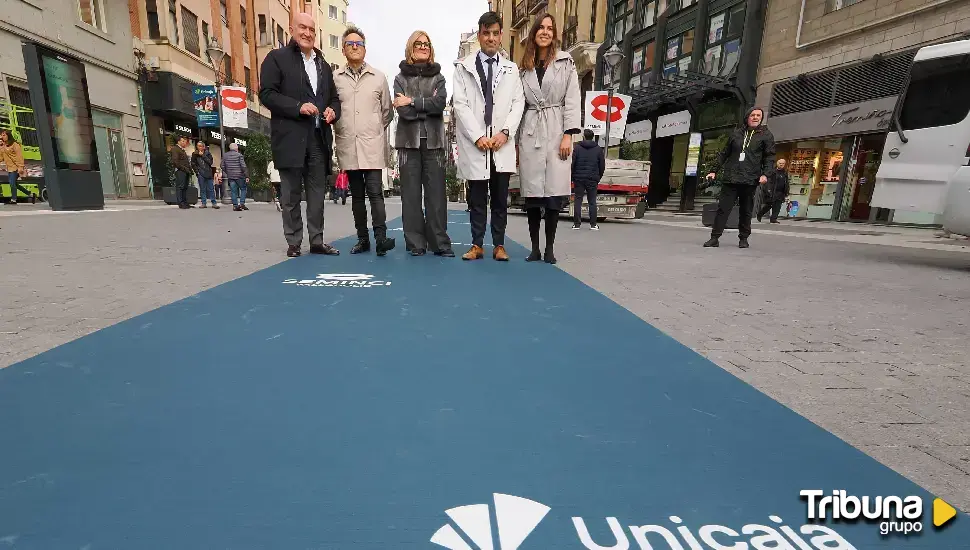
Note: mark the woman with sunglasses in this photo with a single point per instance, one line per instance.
(420, 97)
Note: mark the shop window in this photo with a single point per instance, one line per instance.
(815, 170)
(938, 94)
(724, 42)
(835, 5)
(679, 50)
(92, 13)
(642, 65)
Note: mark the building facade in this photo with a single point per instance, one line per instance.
(690, 67)
(170, 42)
(831, 71)
(96, 33)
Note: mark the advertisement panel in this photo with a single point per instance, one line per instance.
(69, 110)
(206, 107)
(596, 111)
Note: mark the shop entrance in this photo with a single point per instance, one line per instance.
(860, 179)
(661, 159)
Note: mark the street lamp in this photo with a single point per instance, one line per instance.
(612, 57)
(217, 54)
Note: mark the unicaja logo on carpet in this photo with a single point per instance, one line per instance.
(343, 280)
(515, 518)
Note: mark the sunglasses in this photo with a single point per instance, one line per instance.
(420, 44)
(351, 43)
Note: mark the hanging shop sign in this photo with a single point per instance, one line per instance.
(235, 107)
(673, 124)
(206, 106)
(596, 110)
(638, 131)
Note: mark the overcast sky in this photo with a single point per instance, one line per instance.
(389, 24)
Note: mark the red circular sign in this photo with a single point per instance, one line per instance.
(599, 112)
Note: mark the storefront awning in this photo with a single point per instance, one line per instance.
(676, 87)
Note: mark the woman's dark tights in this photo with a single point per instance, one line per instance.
(552, 222)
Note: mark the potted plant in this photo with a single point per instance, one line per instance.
(258, 154)
(453, 185)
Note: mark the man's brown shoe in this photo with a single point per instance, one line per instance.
(474, 253)
(499, 254)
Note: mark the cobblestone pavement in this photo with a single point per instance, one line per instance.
(869, 341)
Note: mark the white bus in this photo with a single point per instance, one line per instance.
(926, 161)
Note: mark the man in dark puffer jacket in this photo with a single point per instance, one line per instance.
(589, 164)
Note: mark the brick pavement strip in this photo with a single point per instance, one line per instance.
(867, 341)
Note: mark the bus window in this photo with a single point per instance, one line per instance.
(938, 93)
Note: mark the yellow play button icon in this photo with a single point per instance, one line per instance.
(942, 512)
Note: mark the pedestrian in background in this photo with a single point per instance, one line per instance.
(589, 165)
(202, 166)
(488, 103)
(183, 170)
(420, 100)
(745, 162)
(552, 116)
(12, 155)
(775, 192)
(274, 180)
(217, 182)
(235, 169)
(298, 89)
(340, 188)
(360, 138)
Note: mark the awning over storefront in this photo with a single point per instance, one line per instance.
(854, 118)
(678, 87)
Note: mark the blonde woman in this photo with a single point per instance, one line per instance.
(552, 115)
(420, 98)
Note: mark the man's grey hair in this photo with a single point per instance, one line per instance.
(233, 146)
(354, 30)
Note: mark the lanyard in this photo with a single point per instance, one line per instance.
(747, 140)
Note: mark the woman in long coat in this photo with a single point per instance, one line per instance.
(552, 115)
(420, 98)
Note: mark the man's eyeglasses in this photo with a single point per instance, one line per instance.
(420, 44)
(352, 43)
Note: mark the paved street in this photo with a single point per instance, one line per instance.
(869, 341)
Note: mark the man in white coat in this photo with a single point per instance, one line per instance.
(488, 106)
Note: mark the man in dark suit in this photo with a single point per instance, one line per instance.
(297, 87)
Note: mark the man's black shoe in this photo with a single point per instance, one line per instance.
(418, 252)
(324, 249)
(363, 245)
(712, 243)
(293, 251)
(743, 243)
(446, 253)
(384, 246)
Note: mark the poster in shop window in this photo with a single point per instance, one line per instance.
(235, 107)
(693, 154)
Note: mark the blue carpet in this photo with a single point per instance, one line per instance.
(279, 415)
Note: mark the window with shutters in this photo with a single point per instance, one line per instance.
(92, 13)
(334, 42)
(190, 30)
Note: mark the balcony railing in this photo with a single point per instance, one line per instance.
(520, 14)
(535, 5)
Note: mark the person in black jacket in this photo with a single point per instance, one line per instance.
(746, 161)
(775, 192)
(420, 97)
(297, 87)
(202, 165)
(183, 170)
(589, 164)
